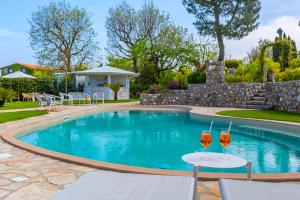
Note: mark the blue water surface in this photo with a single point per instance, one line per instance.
(158, 139)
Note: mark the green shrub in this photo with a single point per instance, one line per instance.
(165, 77)
(40, 85)
(6, 95)
(157, 89)
(294, 63)
(196, 78)
(233, 63)
(289, 74)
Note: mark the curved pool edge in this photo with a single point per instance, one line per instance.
(10, 137)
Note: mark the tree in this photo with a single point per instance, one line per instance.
(6, 95)
(285, 50)
(221, 19)
(119, 62)
(62, 36)
(122, 32)
(115, 87)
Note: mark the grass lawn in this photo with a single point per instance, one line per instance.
(263, 114)
(19, 105)
(30, 104)
(13, 116)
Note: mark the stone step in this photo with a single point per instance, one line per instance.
(259, 95)
(256, 98)
(258, 107)
(255, 102)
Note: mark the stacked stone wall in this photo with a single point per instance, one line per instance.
(280, 95)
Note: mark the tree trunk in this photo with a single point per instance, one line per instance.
(116, 96)
(219, 36)
(68, 65)
(2, 102)
(221, 46)
(135, 67)
(66, 83)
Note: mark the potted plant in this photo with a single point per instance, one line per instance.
(6, 95)
(115, 87)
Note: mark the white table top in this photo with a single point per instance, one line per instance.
(214, 160)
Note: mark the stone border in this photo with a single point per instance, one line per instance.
(10, 137)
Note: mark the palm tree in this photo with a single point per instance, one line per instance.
(115, 87)
(6, 95)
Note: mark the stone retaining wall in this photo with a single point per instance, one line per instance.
(284, 95)
(279, 95)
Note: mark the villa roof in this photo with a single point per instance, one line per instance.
(106, 70)
(35, 67)
(30, 66)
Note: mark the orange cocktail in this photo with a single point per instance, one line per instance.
(225, 139)
(206, 139)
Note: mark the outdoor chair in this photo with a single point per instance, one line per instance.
(26, 97)
(107, 185)
(250, 190)
(80, 96)
(53, 101)
(66, 98)
(98, 96)
(41, 100)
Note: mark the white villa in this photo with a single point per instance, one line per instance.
(96, 79)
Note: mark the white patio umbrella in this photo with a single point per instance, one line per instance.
(17, 75)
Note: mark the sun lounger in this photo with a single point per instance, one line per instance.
(253, 190)
(124, 186)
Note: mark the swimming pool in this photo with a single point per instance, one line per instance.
(158, 139)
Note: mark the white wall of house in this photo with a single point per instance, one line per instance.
(96, 83)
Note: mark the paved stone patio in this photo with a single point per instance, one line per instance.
(27, 176)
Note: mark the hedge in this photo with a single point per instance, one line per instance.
(233, 63)
(25, 85)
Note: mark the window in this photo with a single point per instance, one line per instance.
(23, 70)
(10, 70)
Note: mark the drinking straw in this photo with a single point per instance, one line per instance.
(229, 127)
(211, 126)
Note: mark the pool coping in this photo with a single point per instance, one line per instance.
(9, 136)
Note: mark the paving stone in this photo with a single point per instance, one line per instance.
(34, 191)
(14, 186)
(62, 179)
(3, 193)
(4, 182)
(19, 179)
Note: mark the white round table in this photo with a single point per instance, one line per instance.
(214, 160)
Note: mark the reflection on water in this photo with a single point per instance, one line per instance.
(158, 139)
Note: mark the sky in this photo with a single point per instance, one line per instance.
(14, 15)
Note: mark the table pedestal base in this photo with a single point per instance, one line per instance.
(195, 175)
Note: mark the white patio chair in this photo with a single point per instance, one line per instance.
(80, 96)
(53, 101)
(41, 100)
(66, 98)
(98, 96)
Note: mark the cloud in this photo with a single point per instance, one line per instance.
(239, 48)
(7, 33)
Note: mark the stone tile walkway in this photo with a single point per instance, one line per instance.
(27, 176)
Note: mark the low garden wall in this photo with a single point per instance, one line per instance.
(279, 95)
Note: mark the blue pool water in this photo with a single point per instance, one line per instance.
(158, 139)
